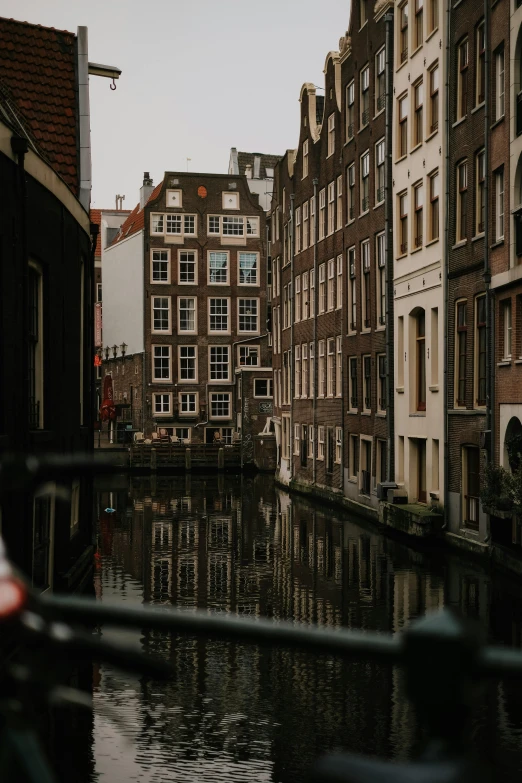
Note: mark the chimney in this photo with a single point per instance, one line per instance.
(257, 166)
(146, 189)
(248, 171)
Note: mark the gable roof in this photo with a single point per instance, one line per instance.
(245, 159)
(38, 82)
(136, 220)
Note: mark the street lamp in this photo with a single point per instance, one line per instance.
(107, 353)
(114, 350)
(123, 347)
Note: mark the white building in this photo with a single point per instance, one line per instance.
(259, 170)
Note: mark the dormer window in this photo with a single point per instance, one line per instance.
(230, 200)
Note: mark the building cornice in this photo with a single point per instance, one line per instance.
(381, 7)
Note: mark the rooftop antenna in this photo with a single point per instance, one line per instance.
(119, 201)
(188, 159)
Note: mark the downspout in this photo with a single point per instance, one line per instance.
(445, 402)
(292, 349)
(314, 398)
(487, 270)
(388, 227)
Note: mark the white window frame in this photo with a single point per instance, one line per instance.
(338, 445)
(330, 366)
(195, 358)
(256, 267)
(190, 413)
(221, 363)
(310, 441)
(168, 356)
(165, 397)
(270, 388)
(166, 260)
(499, 205)
(339, 203)
(350, 111)
(246, 351)
(297, 232)
(330, 290)
(320, 442)
(331, 134)
(322, 214)
(339, 284)
(239, 314)
(195, 254)
(304, 370)
(226, 397)
(221, 299)
(380, 150)
(365, 181)
(226, 253)
(352, 289)
(306, 226)
(305, 158)
(153, 298)
(338, 366)
(331, 208)
(297, 298)
(297, 439)
(321, 370)
(500, 84)
(231, 196)
(195, 301)
(322, 288)
(297, 371)
(169, 216)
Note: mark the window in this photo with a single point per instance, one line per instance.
(418, 203)
(339, 219)
(434, 206)
(312, 293)
(263, 387)
(379, 172)
(480, 209)
(305, 158)
(322, 288)
(350, 176)
(322, 213)
(433, 16)
(418, 93)
(321, 370)
(367, 382)
(248, 356)
(305, 225)
(252, 224)
(380, 82)
(286, 308)
(248, 316)
(350, 110)
(403, 32)
(297, 233)
(312, 370)
(320, 442)
(434, 98)
(248, 268)
(354, 457)
(173, 225)
(218, 315)
(157, 224)
(499, 85)
(462, 200)
(338, 445)
(311, 442)
(499, 205)
(380, 255)
(403, 126)
(187, 273)
(186, 314)
(331, 284)
(331, 208)
(161, 363)
(220, 405)
(161, 404)
(380, 467)
(353, 392)
(161, 314)
(297, 298)
(365, 181)
(460, 350)
(218, 268)
(421, 360)
(297, 439)
(365, 96)
(403, 223)
(506, 318)
(188, 403)
(232, 226)
(304, 370)
(35, 347)
(365, 268)
(187, 363)
(480, 342)
(297, 371)
(352, 291)
(339, 286)
(419, 8)
(214, 224)
(312, 222)
(331, 134)
(330, 367)
(381, 383)
(363, 12)
(480, 89)
(471, 486)
(219, 362)
(160, 268)
(462, 83)
(99, 292)
(338, 365)
(305, 295)
(230, 200)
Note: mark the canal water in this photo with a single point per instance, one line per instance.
(240, 713)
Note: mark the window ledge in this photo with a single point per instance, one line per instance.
(497, 122)
(364, 213)
(461, 119)
(431, 135)
(349, 141)
(351, 334)
(378, 114)
(477, 108)
(406, 61)
(350, 222)
(416, 250)
(459, 244)
(366, 331)
(379, 204)
(380, 328)
(419, 47)
(504, 363)
(366, 413)
(431, 242)
(418, 415)
(352, 412)
(518, 361)
(399, 389)
(432, 34)
(404, 255)
(478, 236)
(498, 243)
(434, 388)
(403, 157)
(416, 147)
(381, 414)
(363, 127)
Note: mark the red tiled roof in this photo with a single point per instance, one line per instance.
(136, 220)
(38, 74)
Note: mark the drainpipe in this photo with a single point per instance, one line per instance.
(388, 225)
(314, 398)
(487, 271)
(447, 128)
(292, 349)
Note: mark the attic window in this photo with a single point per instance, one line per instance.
(331, 93)
(305, 121)
(232, 185)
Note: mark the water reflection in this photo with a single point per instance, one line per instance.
(237, 712)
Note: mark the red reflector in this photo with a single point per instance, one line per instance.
(12, 597)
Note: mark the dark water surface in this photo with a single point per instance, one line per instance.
(236, 712)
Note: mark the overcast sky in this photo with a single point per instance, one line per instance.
(197, 79)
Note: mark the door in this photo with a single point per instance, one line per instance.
(421, 470)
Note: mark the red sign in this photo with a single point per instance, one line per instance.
(107, 410)
(97, 360)
(97, 324)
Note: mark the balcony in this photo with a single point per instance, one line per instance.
(365, 204)
(365, 117)
(350, 131)
(365, 482)
(380, 195)
(381, 102)
(404, 248)
(418, 241)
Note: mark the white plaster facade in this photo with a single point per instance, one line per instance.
(418, 258)
(123, 294)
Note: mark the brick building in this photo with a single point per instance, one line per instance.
(329, 272)
(194, 311)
